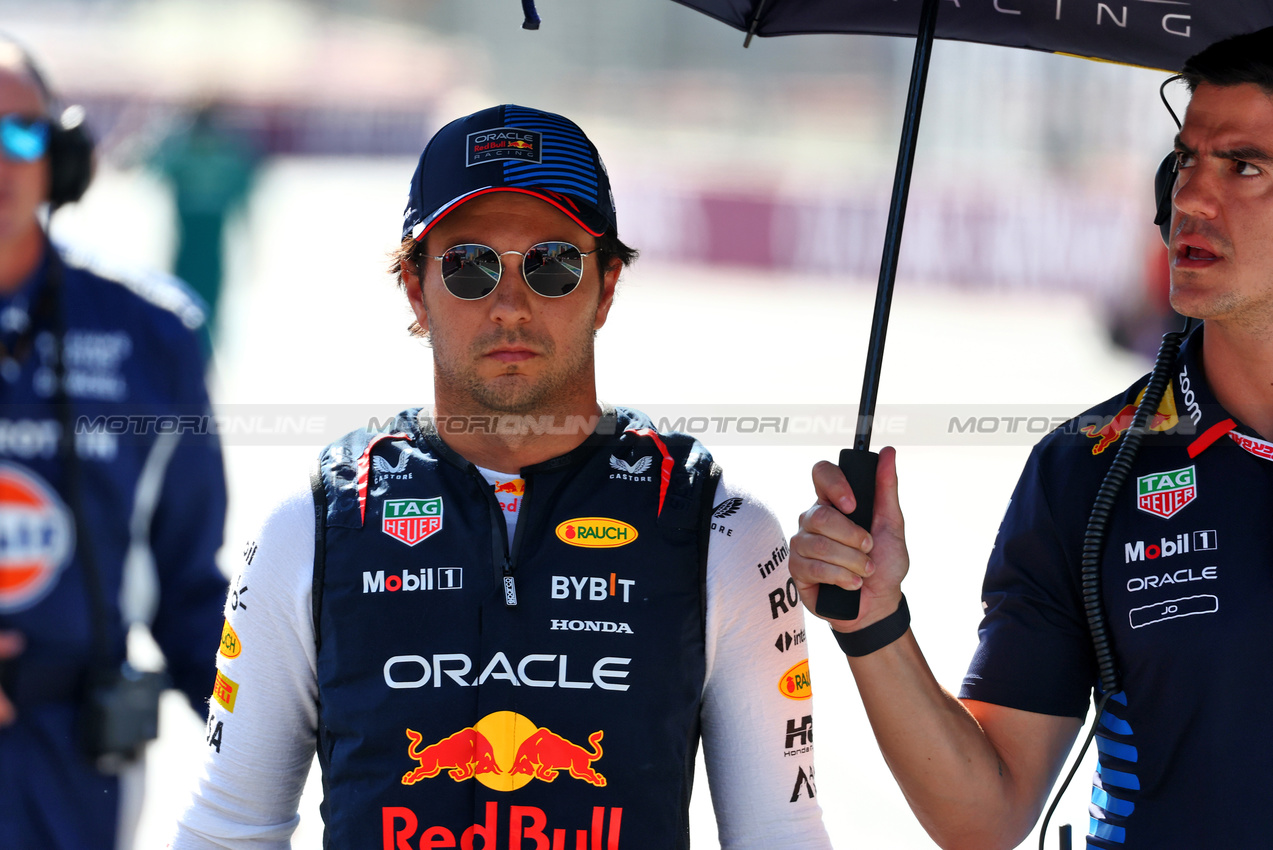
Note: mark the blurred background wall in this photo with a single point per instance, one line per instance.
(1033, 172)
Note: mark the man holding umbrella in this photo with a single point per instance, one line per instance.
(1183, 576)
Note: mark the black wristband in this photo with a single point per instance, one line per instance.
(877, 635)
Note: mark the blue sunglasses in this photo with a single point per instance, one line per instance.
(22, 138)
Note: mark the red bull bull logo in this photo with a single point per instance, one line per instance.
(37, 537)
(463, 755)
(545, 754)
(516, 487)
(504, 751)
(1164, 419)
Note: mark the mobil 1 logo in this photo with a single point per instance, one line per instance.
(1181, 544)
(425, 578)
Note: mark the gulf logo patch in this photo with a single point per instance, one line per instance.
(596, 532)
(795, 683)
(37, 537)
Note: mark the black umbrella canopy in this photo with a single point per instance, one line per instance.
(1150, 33)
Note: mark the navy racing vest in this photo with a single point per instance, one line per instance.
(543, 692)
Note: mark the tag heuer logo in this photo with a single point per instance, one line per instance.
(412, 520)
(1165, 493)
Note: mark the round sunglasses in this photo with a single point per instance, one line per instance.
(551, 269)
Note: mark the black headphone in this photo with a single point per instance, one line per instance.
(70, 143)
(1165, 179)
(1164, 183)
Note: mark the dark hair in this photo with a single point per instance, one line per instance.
(609, 247)
(1246, 58)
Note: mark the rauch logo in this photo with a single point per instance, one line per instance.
(412, 520)
(596, 532)
(795, 683)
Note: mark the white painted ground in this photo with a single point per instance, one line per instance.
(312, 321)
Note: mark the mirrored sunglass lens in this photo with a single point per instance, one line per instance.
(553, 269)
(24, 139)
(470, 271)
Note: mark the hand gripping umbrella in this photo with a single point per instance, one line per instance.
(1159, 34)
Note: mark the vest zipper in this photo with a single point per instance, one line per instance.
(510, 586)
(500, 555)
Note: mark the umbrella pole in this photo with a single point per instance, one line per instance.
(859, 462)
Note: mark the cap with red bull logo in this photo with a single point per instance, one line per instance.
(510, 148)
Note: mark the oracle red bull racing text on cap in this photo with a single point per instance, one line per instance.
(510, 149)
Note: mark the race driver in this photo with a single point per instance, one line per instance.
(507, 622)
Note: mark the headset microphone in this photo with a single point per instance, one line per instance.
(1165, 179)
(1164, 183)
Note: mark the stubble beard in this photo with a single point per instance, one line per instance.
(1251, 313)
(513, 392)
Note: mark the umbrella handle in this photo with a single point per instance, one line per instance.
(532, 17)
(858, 466)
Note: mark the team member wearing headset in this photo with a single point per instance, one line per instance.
(104, 521)
(1184, 578)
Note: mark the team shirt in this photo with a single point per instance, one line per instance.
(1184, 752)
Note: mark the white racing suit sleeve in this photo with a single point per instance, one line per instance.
(757, 718)
(263, 714)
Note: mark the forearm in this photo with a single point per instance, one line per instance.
(952, 775)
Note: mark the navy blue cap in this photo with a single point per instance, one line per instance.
(510, 149)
